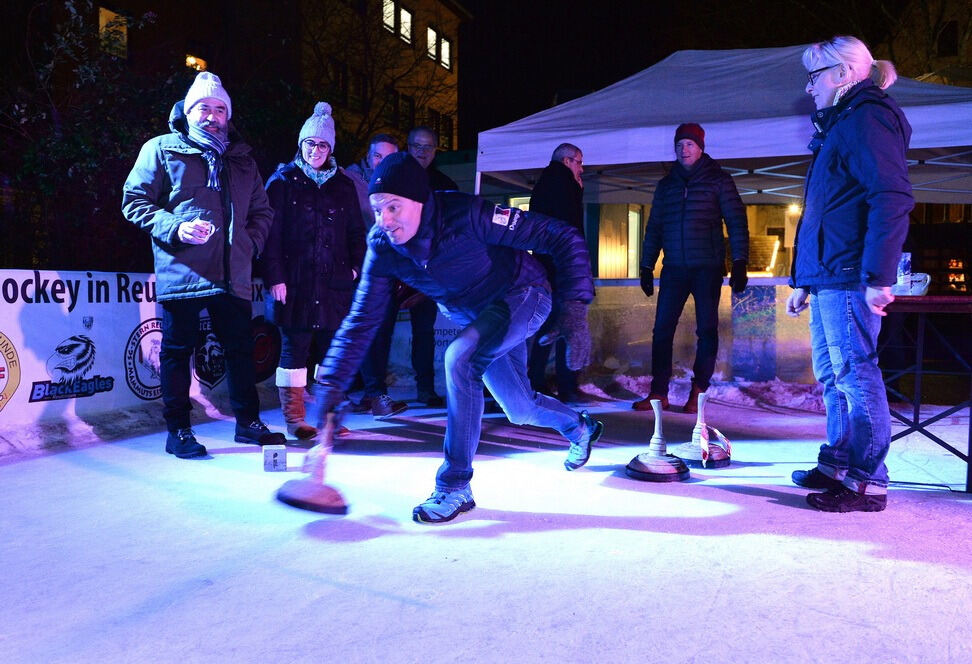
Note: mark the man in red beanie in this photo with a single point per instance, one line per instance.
(470, 257)
(687, 213)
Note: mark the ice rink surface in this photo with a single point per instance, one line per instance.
(117, 552)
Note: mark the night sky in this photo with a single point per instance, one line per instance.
(516, 55)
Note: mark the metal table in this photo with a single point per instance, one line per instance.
(922, 306)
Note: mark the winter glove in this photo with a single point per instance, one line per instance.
(572, 326)
(738, 278)
(327, 399)
(647, 282)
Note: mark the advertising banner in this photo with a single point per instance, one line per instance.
(88, 342)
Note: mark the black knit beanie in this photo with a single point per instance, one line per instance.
(402, 175)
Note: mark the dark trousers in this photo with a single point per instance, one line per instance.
(423, 317)
(374, 368)
(296, 344)
(230, 317)
(704, 284)
(540, 355)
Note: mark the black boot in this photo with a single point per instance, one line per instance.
(184, 445)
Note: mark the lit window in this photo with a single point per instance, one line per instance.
(522, 202)
(432, 43)
(388, 14)
(113, 30)
(445, 53)
(196, 63)
(405, 25)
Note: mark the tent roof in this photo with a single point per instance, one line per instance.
(752, 105)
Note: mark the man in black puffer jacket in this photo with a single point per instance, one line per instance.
(686, 218)
(470, 257)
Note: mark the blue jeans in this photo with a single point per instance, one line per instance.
(492, 350)
(843, 340)
(540, 355)
(704, 284)
(230, 317)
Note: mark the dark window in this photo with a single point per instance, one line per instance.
(357, 91)
(445, 133)
(406, 112)
(390, 111)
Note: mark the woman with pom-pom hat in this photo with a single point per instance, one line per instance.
(312, 259)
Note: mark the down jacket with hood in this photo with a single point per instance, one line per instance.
(686, 218)
(858, 196)
(466, 254)
(167, 186)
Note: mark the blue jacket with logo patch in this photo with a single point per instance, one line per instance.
(466, 254)
(858, 195)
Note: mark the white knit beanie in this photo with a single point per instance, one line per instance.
(319, 125)
(207, 85)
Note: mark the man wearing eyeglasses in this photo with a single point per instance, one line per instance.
(558, 194)
(198, 193)
(422, 142)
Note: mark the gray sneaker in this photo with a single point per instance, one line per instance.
(444, 506)
(580, 452)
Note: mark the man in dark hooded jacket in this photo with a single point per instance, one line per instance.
(686, 217)
(198, 193)
(559, 194)
(470, 257)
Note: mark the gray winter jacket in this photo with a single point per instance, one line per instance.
(167, 186)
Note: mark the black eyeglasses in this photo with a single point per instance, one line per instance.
(812, 76)
(421, 147)
(579, 162)
(311, 145)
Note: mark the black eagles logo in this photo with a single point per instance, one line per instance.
(68, 367)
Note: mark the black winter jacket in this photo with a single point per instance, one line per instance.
(686, 218)
(858, 196)
(167, 186)
(558, 195)
(316, 240)
(466, 254)
(439, 181)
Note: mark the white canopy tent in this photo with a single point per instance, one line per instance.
(756, 116)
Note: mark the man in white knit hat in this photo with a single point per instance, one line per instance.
(198, 193)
